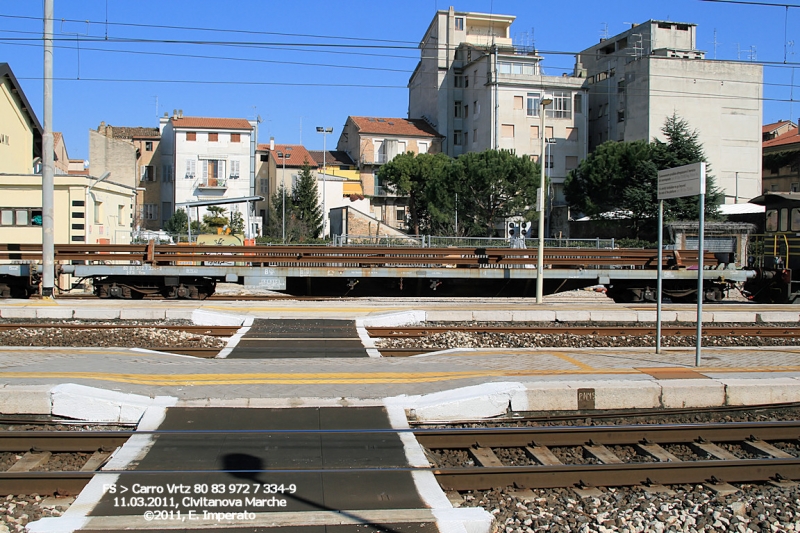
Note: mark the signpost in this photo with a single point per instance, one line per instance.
(679, 182)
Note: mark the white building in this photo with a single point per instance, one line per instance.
(481, 92)
(205, 159)
(642, 76)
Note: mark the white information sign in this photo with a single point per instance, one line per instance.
(688, 180)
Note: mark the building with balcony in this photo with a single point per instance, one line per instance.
(781, 161)
(639, 78)
(208, 159)
(373, 141)
(481, 92)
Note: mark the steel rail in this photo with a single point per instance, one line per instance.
(62, 441)
(607, 435)
(43, 483)
(213, 331)
(603, 331)
(602, 475)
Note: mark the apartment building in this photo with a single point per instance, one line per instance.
(781, 160)
(481, 92)
(208, 159)
(374, 141)
(639, 77)
(131, 156)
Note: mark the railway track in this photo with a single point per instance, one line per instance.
(569, 456)
(32, 473)
(610, 331)
(212, 331)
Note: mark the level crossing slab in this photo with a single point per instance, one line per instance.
(303, 338)
(302, 460)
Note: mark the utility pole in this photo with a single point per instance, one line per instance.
(48, 163)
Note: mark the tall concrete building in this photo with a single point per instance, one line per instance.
(642, 76)
(479, 91)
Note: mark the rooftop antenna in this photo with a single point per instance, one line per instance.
(715, 43)
(751, 54)
(77, 42)
(156, 97)
(790, 45)
(603, 31)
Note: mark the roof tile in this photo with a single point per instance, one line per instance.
(790, 137)
(404, 127)
(212, 123)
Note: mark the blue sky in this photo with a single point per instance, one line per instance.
(312, 63)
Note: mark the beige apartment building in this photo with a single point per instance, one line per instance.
(638, 78)
(481, 92)
(374, 141)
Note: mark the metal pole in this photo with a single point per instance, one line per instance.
(48, 163)
(283, 197)
(324, 212)
(540, 208)
(660, 270)
(700, 293)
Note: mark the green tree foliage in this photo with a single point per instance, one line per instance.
(623, 176)
(617, 176)
(178, 225)
(237, 223)
(492, 185)
(307, 210)
(417, 177)
(275, 207)
(215, 218)
(683, 147)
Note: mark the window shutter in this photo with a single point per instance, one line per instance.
(221, 169)
(143, 171)
(205, 170)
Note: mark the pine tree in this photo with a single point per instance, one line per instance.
(306, 204)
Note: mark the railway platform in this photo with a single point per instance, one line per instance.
(170, 391)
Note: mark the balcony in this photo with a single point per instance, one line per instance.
(213, 183)
(375, 159)
(380, 190)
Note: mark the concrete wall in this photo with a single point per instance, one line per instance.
(16, 134)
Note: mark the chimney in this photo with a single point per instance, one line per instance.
(180, 113)
(271, 144)
(174, 114)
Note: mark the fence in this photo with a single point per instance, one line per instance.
(433, 241)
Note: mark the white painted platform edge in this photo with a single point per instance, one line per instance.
(234, 340)
(203, 317)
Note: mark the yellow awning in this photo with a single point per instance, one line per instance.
(352, 187)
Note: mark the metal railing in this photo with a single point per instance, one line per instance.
(434, 241)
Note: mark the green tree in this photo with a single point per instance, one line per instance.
(411, 175)
(683, 147)
(306, 203)
(616, 177)
(215, 218)
(492, 185)
(237, 223)
(178, 225)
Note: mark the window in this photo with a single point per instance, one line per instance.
(76, 214)
(795, 187)
(166, 173)
(459, 23)
(572, 134)
(77, 203)
(98, 212)
(148, 173)
(474, 136)
(519, 102)
(191, 135)
(457, 138)
(577, 103)
(457, 110)
(166, 211)
(533, 104)
(795, 222)
(621, 116)
(263, 185)
(21, 216)
(570, 162)
(474, 76)
(236, 137)
(507, 131)
(458, 81)
(476, 108)
(78, 227)
(150, 211)
(548, 161)
(548, 132)
(120, 213)
(191, 169)
(466, 111)
(784, 219)
(213, 137)
(264, 157)
(214, 172)
(534, 132)
(234, 169)
(422, 147)
(148, 146)
(77, 238)
(561, 106)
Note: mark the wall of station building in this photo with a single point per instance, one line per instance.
(16, 135)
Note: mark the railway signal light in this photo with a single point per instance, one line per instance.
(512, 229)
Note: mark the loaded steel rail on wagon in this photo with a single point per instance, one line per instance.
(169, 271)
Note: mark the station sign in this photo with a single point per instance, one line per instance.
(678, 182)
